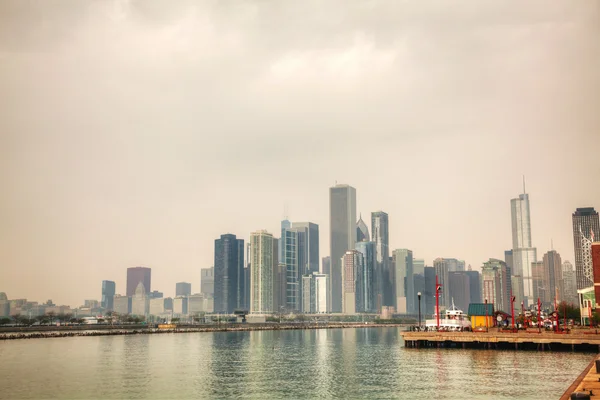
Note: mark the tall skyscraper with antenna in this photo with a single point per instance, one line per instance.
(523, 251)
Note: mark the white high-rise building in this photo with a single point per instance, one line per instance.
(263, 256)
(322, 298)
(569, 283)
(140, 303)
(523, 252)
(342, 228)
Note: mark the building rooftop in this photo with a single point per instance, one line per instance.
(478, 309)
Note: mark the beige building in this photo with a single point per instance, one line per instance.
(350, 264)
(263, 262)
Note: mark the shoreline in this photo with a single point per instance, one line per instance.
(137, 330)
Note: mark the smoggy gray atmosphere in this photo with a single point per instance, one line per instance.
(135, 133)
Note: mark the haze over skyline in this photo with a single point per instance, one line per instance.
(136, 133)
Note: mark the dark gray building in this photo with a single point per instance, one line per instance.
(365, 279)
(474, 286)
(429, 291)
(136, 275)
(342, 235)
(585, 224)
(362, 231)
(229, 274)
(183, 289)
(308, 246)
(290, 253)
(384, 276)
(326, 265)
(108, 293)
(460, 289)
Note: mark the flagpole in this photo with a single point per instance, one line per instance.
(512, 308)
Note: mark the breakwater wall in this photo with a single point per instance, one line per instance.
(137, 330)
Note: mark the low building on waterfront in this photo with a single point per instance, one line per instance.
(200, 303)
(478, 315)
(587, 300)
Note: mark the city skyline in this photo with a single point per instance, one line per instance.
(201, 122)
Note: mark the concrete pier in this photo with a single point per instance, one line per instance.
(576, 340)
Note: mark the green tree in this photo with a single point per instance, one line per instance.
(4, 321)
(573, 312)
(51, 315)
(16, 318)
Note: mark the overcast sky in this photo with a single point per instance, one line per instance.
(136, 132)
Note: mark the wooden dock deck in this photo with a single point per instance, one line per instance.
(587, 383)
(575, 340)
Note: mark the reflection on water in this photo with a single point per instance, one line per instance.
(356, 363)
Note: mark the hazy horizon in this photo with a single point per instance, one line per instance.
(135, 133)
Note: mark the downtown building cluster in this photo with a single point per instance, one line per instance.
(285, 273)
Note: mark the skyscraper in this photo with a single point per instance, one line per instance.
(553, 267)
(140, 302)
(108, 293)
(309, 246)
(460, 289)
(351, 263)
(229, 274)
(586, 229)
(365, 291)
(342, 225)
(523, 254)
(496, 285)
(326, 265)
(418, 266)
(136, 275)
(308, 294)
(322, 297)
(569, 283)
(404, 285)
(207, 281)
(183, 289)
(474, 286)
(429, 294)
(443, 266)
(491, 288)
(290, 259)
(362, 231)
(285, 224)
(263, 259)
(541, 287)
(384, 285)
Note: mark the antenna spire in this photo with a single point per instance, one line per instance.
(524, 191)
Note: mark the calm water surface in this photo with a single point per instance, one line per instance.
(346, 363)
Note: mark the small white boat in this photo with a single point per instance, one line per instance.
(454, 320)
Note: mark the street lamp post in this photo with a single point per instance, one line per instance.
(419, 297)
(486, 316)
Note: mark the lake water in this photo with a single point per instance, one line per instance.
(347, 363)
